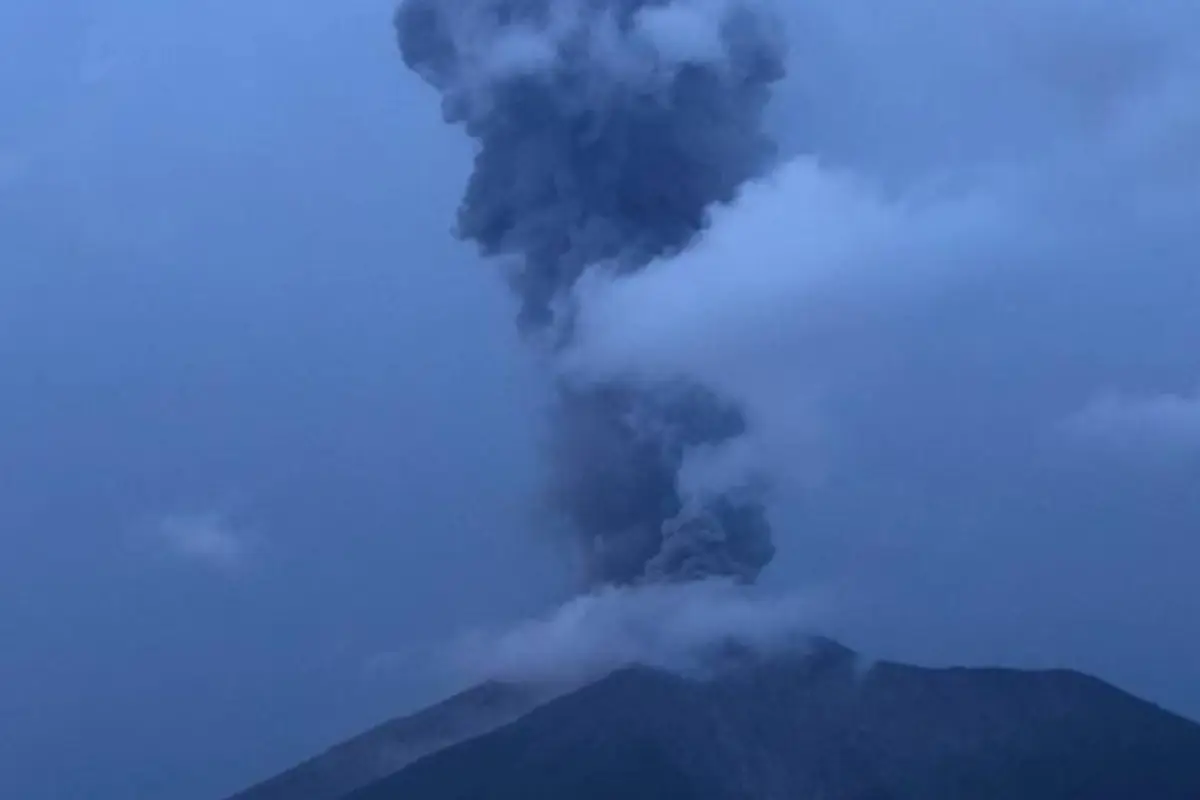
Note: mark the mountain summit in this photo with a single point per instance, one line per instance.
(825, 724)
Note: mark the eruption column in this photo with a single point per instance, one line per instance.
(605, 131)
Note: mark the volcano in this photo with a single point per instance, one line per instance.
(825, 723)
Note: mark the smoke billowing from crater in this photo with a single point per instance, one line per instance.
(606, 130)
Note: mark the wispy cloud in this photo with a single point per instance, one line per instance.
(1161, 422)
(207, 539)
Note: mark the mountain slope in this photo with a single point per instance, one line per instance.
(387, 748)
(821, 726)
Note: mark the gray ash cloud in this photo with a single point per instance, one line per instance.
(605, 131)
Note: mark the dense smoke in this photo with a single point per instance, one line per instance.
(606, 130)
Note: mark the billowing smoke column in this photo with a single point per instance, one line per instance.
(605, 131)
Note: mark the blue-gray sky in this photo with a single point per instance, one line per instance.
(261, 420)
(265, 427)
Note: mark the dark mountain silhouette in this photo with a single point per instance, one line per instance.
(389, 747)
(822, 725)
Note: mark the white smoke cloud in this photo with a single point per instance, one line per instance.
(685, 32)
(807, 261)
(988, 215)
(787, 252)
(671, 626)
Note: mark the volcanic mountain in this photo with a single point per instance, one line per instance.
(825, 723)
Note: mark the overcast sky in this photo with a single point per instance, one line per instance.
(266, 431)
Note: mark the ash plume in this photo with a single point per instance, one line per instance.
(606, 130)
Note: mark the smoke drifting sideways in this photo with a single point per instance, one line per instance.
(606, 131)
(684, 628)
